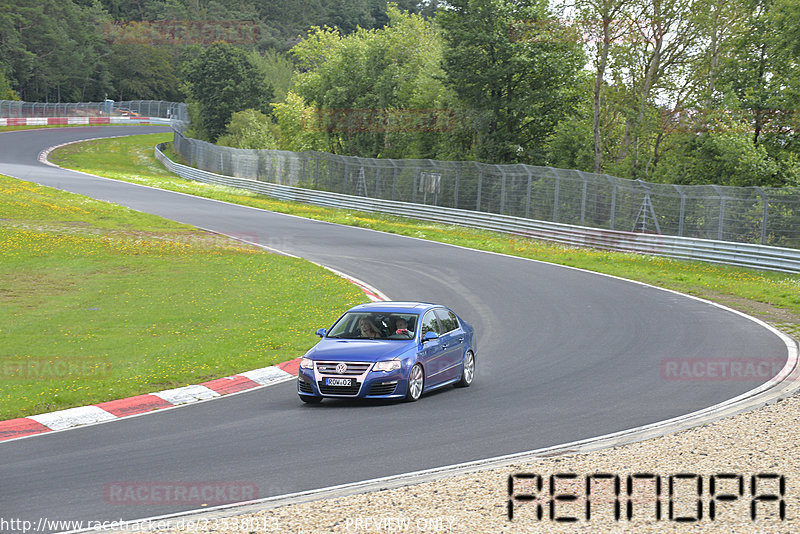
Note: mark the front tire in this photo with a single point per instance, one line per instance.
(467, 371)
(416, 381)
(309, 399)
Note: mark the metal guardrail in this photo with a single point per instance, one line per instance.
(722, 252)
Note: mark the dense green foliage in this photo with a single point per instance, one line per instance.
(221, 81)
(376, 93)
(518, 89)
(6, 92)
(690, 91)
(82, 50)
(51, 49)
(249, 129)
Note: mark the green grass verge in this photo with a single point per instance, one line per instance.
(774, 297)
(99, 302)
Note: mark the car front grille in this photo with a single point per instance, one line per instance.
(353, 368)
(339, 390)
(386, 388)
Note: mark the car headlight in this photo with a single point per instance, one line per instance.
(388, 365)
(307, 363)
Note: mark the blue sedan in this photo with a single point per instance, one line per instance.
(389, 350)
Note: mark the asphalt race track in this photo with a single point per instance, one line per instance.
(562, 355)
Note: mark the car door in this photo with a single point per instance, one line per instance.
(451, 339)
(431, 353)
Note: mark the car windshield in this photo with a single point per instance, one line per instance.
(375, 325)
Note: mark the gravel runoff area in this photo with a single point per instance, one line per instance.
(758, 446)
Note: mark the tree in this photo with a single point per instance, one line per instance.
(276, 68)
(508, 62)
(605, 23)
(377, 93)
(653, 68)
(726, 158)
(296, 125)
(53, 49)
(249, 129)
(143, 72)
(221, 80)
(6, 92)
(760, 79)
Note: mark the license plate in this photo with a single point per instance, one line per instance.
(342, 382)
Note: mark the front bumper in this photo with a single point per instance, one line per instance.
(368, 385)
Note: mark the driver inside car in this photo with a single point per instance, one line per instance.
(401, 327)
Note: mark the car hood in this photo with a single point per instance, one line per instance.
(357, 350)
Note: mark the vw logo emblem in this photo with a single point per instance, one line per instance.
(341, 368)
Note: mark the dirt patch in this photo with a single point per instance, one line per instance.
(785, 320)
(33, 288)
(197, 238)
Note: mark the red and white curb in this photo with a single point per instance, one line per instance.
(108, 411)
(62, 121)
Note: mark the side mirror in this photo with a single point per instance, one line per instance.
(429, 336)
(321, 332)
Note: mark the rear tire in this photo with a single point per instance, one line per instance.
(416, 381)
(467, 371)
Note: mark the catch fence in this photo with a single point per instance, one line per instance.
(761, 215)
(108, 108)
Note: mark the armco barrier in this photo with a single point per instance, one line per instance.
(723, 252)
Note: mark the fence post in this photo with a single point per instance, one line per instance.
(502, 189)
(330, 172)
(415, 185)
(555, 195)
(721, 210)
(765, 201)
(682, 215)
(528, 195)
(394, 179)
(455, 189)
(480, 186)
(613, 213)
(346, 175)
(583, 199)
(436, 189)
(316, 174)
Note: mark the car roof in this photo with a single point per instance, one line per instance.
(395, 307)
